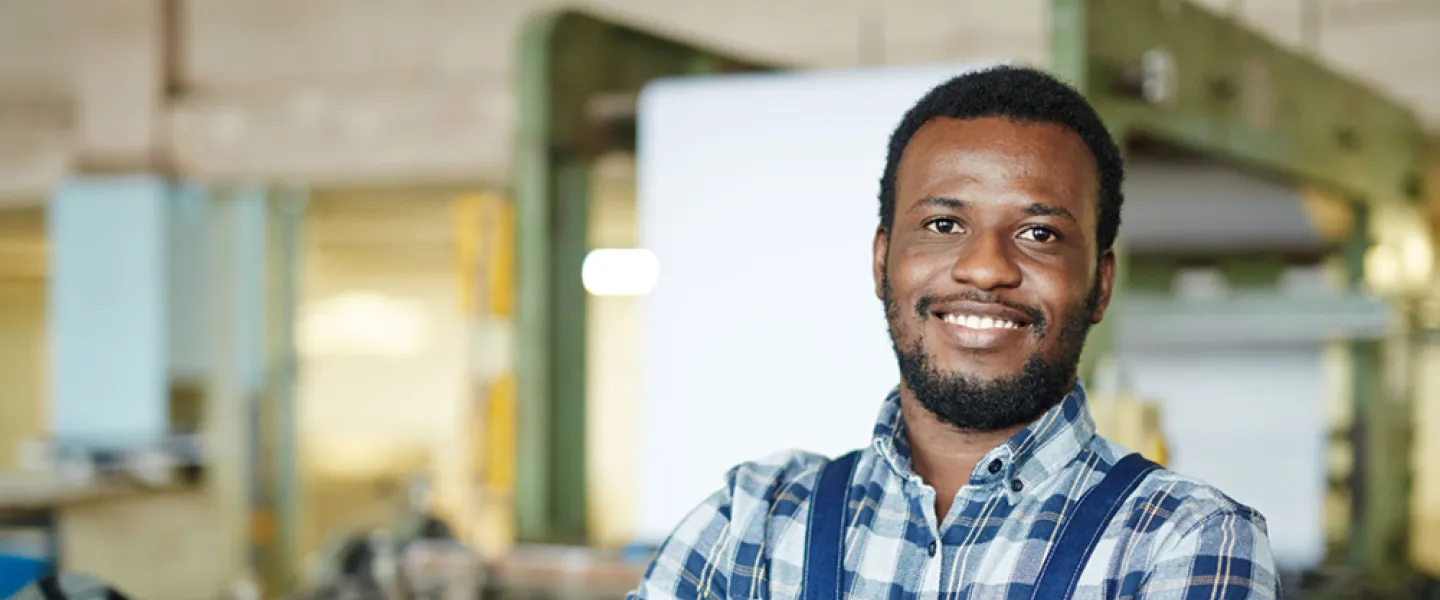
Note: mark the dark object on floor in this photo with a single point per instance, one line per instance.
(69, 586)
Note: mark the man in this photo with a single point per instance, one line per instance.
(999, 207)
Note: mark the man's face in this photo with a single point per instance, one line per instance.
(989, 271)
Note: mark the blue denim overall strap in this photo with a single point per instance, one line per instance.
(825, 531)
(1082, 531)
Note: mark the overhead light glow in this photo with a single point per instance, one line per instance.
(620, 272)
(363, 324)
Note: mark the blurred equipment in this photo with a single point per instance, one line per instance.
(419, 559)
(564, 572)
(16, 573)
(69, 586)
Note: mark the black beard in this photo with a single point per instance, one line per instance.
(971, 404)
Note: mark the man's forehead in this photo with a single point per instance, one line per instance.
(998, 137)
(1045, 157)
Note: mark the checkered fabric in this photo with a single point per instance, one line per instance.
(1174, 538)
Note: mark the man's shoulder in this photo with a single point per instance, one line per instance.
(774, 485)
(1179, 529)
(1183, 501)
(1192, 501)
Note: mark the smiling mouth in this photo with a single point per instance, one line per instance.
(970, 321)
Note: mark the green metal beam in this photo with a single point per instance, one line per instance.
(1227, 91)
(579, 78)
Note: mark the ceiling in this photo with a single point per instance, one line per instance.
(343, 91)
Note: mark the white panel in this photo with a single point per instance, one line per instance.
(758, 195)
(109, 371)
(1251, 422)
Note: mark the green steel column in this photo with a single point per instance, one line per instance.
(532, 285)
(1379, 440)
(560, 72)
(1070, 42)
(568, 520)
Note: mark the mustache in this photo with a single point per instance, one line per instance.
(923, 305)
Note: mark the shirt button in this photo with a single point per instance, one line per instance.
(933, 547)
(995, 466)
(1017, 486)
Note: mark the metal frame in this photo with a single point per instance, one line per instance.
(1162, 69)
(579, 78)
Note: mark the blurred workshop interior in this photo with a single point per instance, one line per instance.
(308, 299)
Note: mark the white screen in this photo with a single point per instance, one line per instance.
(758, 195)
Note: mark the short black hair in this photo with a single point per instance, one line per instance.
(1023, 95)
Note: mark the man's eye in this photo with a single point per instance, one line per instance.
(1039, 234)
(944, 226)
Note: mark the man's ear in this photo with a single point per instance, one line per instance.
(1105, 278)
(880, 251)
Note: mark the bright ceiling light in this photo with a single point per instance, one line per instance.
(620, 272)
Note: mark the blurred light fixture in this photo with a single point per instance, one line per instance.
(363, 324)
(620, 272)
(1383, 270)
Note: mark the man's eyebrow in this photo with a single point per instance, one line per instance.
(943, 201)
(1050, 210)
(1037, 209)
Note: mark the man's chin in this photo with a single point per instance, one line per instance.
(980, 371)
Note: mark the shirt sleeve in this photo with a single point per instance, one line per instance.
(1225, 556)
(696, 560)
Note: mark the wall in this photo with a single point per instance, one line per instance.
(614, 367)
(22, 361)
(23, 338)
(383, 389)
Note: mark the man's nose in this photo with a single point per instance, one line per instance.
(986, 261)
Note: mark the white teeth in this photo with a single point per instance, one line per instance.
(974, 322)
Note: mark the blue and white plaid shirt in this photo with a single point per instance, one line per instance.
(1175, 537)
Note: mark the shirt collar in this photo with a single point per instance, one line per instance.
(1035, 453)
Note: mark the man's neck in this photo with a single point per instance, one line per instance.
(941, 454)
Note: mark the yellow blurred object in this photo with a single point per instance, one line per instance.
(467, 210)
(500, 236)
(484, 241)
(484, 251)
(1330, 214)
(500, 420)
(1132, 423)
